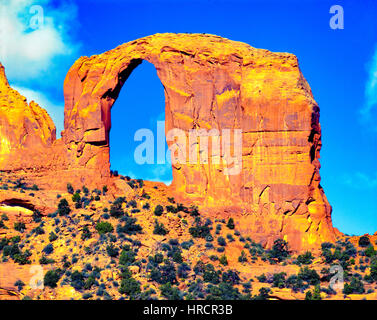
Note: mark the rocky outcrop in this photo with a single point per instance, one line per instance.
(25, 129)
(209, 83)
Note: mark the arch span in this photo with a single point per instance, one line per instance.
(209, 83)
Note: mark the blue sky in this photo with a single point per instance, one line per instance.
(340, 66)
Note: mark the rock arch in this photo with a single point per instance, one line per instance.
(211, 82)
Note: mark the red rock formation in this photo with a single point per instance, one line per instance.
(210, 83)
(25, 129)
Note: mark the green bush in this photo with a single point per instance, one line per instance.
(130, 226)
(308, 275)
(104, 227)
(223, 260)
(230, 223)
(51, 278)
(158, 210)
(279, 250)
(370, 251)
(130, 286)
(170, 292)
(364, 241)
(116, 209)
(86, 234)
(242, 257)
(52, 236)
(127, 257)
(159, 228)
(305, 258)
(70, 188)
(19, 226)
(112, 251)
(63, 208)
(355, 286)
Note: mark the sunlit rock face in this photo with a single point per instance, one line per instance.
(22, 125)
(272, 188)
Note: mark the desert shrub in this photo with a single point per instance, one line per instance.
(22, 257)
(262, 278)
(210, 274)
(314, 295)
(86, 234)
(200, 231)
(129, 227)
(159, 228)
(187, 244)
(48, 249)
(183, 270)
(264, 293)
(305, 258)
(37, 216)
(370, 251)
(230, 223)
(38, 230)
(19, 284)
(295, 283)
(77, 280)
(373, 269)
(157, 258)
(355, 286)
(130, 286)
(170, 292)
(310, 276)
(221, 241)
(158, 210)
(164, 273)
(223, 260)
(278, 280)
(127, 257)
(104, 227)
(242, 257)
(279, 250)
(63, 207)
(70, 188)
(171, 208)
(231, 276)
(45, 260)
(19, 226)
(52, 236)
(177, 256)
(51, 278)
(76, 197)
(112, 251)
(223, 291)
(364, 241)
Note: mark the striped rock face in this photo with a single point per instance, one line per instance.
(254, 108)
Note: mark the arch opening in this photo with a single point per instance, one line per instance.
(139, 111)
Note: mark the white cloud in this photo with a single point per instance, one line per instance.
(28, 50)
(54, 109)
(370, 90)
(36, 50)
(360, 180)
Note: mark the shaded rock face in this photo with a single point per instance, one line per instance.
(209, 83)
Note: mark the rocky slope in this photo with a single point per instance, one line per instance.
(95, 245)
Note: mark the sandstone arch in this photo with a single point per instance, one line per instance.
(211, 82)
